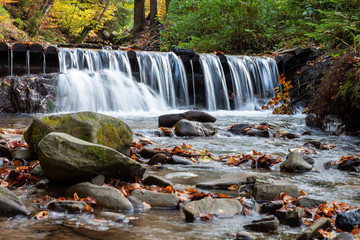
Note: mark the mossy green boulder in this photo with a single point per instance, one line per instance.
(66, 159)
(88, 126)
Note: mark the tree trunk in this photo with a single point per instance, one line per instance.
(153, 12)
(139, 15)
(45, 9)
(87, 29)
(167, 2)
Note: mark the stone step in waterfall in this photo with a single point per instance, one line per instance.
(116, 80)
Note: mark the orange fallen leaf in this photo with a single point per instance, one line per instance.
(233, 188)
(41, 215)
(206, 216)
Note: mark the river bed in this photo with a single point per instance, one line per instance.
(319, 184)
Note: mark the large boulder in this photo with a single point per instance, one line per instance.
(88, 126)
(169, 120)
(295, 163)
(156, 199)
(219, 207)
(190, 128)
(65, 158)
(106, 197)
(10, 204)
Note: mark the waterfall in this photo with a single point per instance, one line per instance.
(108, 80)
(253, 80)
(216, 89)
(97, 81)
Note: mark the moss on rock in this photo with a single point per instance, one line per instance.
(88, 126)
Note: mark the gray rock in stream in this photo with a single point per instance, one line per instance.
(313, 228)
(10, 204)
(5, 152)
(67, 159)
(291, 217)
(117, 217)
(169, 120)
(219, 207)
(21, 153)
(157, 199)
(348, 220)
(193, 129)
(230, 179)
(106, 197)
(267, 190)
(295, 163)
(67, 206)
(266, 224)
(179, 160)
(158, 181)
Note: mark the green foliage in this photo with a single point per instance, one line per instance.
(229, 26)
(338, 25)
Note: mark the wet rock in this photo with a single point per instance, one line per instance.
(65, 158)
(239, 129)
(179, 160)
(313, 228)
(295, 163)
(269, 189)
(137, 204)
(245, 236)
(117, 217)
(271, 207)
(158, 181)
(149, 153)
(291, 217)
(308, 202)
(231, 179)
(88, 126)
(5, 152)
(290, 135)
(219, 207)
(156, 199)
(193, 129)
(349, 165)
(169, 120)
(106, 197)
(315, 143)
(21, 153)
(308, 159)
(348, 220)
(37, 171)
(67, 206)
(159, 158)
(256, 133)
(10, 204)
(98, 180)
(266, 224)
(345, 236)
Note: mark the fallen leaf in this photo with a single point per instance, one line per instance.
(206, 216)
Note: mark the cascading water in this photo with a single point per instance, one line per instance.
(165, 73)
(215, 84)
(98, 81)
(91, 80)
(253, 80)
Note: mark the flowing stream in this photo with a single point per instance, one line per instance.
(104, 81)
(320, 184)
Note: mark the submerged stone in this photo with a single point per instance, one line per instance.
(219, 207)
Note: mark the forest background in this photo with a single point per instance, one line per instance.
(230, 26)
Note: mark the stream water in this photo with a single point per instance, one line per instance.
(321, 184)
